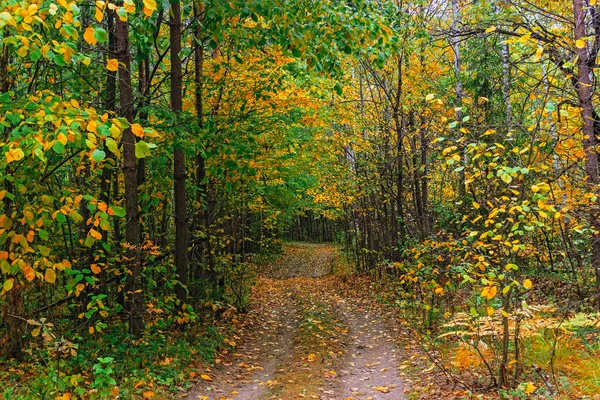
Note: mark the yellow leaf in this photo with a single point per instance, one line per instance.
(129, 6)
(489, 311)
(112, 65)
(137, 130)
(99, 15)
(35, 332)
(538, 54)
(592, 2)
(8, 284)
(206, 377)
(88, 36)
(527, 284)
(429, 97)
(580, 44)
(382, 389)
(50, 276)
(530, 388)
(149, 7)
(14, 155)
(490, 29)
(62, 139)
(91, 330)
(92, 126)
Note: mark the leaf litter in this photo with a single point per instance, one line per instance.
(309, 334)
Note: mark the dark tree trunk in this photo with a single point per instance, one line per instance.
(135, 303)
(181, 224)
(200, 219)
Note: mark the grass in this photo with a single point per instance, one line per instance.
(576, 365)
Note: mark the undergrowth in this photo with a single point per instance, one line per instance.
(160, 364)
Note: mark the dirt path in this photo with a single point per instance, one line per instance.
(307, 336)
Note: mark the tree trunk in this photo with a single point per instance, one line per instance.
(200, 162)
(459, 92)
(585, 80)
(181, 224)
(135, 303)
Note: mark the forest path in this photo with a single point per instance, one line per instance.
(308, 334)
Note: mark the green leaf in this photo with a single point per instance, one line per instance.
(119, 211)
(98, 155)
(142, 149)
(112, 145)
(59, 60)
(89, 241)
(43, 234)
(101, 35)
(58, 147)
(338, 89)
(76, 217)
(60, 217)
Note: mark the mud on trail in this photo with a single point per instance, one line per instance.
(308, 334)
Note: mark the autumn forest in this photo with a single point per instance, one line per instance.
(284, 199)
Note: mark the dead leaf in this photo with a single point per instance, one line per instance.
(382, 389)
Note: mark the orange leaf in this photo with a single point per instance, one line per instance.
(50, 276)
(148, 395)
(29, 273)
(112, 65)
(206, 377)
(88, 36)
(137, 130)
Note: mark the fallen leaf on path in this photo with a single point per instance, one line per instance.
(206, 377)
(382, 389)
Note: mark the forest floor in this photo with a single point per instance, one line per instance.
(314, 332)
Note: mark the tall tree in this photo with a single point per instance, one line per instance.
(126, 103)
(179, 172)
